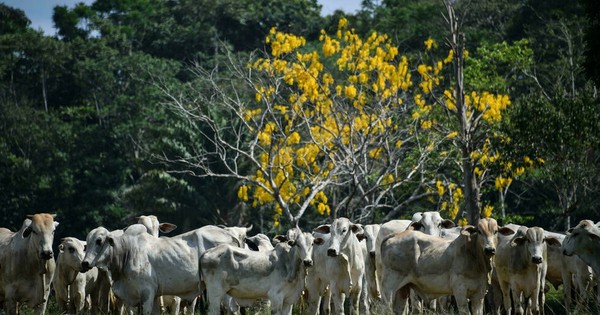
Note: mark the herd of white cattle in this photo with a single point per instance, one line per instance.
(426, 260)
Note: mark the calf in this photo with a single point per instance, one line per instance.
(69, 284)
(277, 275)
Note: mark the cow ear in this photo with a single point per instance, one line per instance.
(552, 241)
(27, 232)
(357, 228)
(446, 224)
(323, 229)
(318, 241)
(167, 227)
(280, 238)
(468, 230)
(414, 226)
(569, 231)
(506, 231)
(519, 241)
(251, 244)
(55, 224)
(291, 242)
(361, 236)
(61, 248)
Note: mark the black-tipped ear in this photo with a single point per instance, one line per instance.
(414, 226)
(167, 227)
(27, 232)
(552, 241)
(280, 238)
(519, 240)
(446, 224)
(506, 231)
(291, 243)
(569, 231)
(323, 229)
(251, 245)
(361, 237)
(318, 241)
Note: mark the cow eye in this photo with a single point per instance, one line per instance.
(98, 242)
(71, 249)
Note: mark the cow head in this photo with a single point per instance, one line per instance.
(39, 229)
(486, 234)
(370, 236)
(581, 239)
(153, 226)
(431, 222)
(536, 242)
(300, 242)
(96, 254)
(341, 231)
(72, 252)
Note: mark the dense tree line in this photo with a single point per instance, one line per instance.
(87, 130)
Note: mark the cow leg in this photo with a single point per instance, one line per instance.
(313, 287)
(78, 298)
(215, 296)
(517, 301)
(460, 294)
(504, 287)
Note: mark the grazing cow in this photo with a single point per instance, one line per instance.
(277, 275)
(521, 266)
(345, 266)
(584, 241)
(69, 284)
(27, 264)
(433, 266)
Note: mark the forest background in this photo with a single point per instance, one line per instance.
(260, 112)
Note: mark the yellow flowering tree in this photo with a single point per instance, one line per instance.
(312, 125)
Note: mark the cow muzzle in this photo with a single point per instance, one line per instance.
(489, 251)
(536, 260)
(85, 266)
(308, 262)
(46, 254)
(372, 254)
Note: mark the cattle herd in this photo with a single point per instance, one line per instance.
(405, 265)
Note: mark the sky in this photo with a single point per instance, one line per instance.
(40, 11)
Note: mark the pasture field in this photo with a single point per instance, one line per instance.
(554, 306)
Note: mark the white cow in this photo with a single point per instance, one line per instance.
(430, 223)
(345, 266)
(277, 275)
(521, 266)
(71, 286)
(433, 266)
(183, 250)
(584, 241)
(27, 264)
(143, 267)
